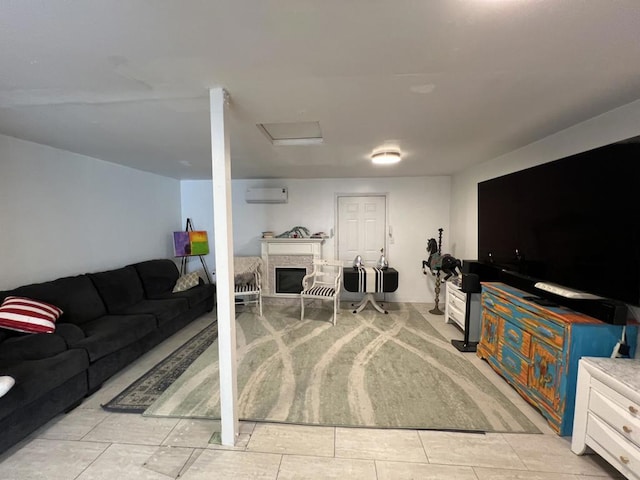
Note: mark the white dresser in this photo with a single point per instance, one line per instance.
(607, 413)
(455, 308)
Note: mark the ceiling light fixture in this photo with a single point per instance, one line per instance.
(386, 157)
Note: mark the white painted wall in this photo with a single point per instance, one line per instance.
(417, 207)
(196, 204)
(65, 214)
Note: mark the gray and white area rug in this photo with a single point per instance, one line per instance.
(370, 370)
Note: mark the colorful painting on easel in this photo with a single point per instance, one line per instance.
(190, 243)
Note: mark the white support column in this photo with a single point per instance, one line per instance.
(223, 232)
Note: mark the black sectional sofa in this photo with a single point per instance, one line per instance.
(110, 318)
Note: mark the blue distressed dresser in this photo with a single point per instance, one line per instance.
(537, 348)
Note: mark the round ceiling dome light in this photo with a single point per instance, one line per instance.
(386, 157)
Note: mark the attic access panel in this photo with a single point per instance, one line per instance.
(294, 133)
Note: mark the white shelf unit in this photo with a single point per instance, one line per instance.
(607, 413)
(455, 309)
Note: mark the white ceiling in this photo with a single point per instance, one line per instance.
(450, 82)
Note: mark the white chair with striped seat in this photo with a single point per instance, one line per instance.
(251, 289)
(324, 283)
(248, 281)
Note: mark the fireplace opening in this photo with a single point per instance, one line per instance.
(289, 280)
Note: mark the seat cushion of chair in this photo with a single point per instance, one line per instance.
(247, 288)
(320, 291)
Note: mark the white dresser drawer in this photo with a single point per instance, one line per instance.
(630, 405)
(456, 302)
(455, 306)
(457, 311)
(618, 417)
(612, 447)
(456, 292)
(456, 315)
(607, 414)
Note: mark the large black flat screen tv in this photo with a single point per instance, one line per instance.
(574, 222)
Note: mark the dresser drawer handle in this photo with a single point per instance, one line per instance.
(633, 409)
(624, 459)
(511, 363)
(626, 429)
(545, 333)
(514, 336)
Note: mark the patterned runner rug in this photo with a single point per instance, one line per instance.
(141, 394)
(370, 370)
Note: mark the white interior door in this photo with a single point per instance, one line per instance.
(361, 227)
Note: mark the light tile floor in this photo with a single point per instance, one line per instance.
(89, 443)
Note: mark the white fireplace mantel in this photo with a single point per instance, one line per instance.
(278, 252)
(292, 246)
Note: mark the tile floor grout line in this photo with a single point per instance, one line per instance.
(424, 448)
(475, 474)
(279, 466)
(95, 426)
(93, 461)
(184, 467)
(335, 440)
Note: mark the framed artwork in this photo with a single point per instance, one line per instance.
(190, 243)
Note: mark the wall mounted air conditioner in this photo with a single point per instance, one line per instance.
(266, 195)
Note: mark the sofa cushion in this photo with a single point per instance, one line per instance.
(185, 282)
(158, 276)
(194, 295)
(30, 347)
(118, 288)
(37, 378)
(76, 296)
(164, 310)
(69, 332)
(28, 315)
(111, 333)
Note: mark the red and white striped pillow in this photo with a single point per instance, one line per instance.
(28, 315)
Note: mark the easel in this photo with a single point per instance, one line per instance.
(183, 265)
